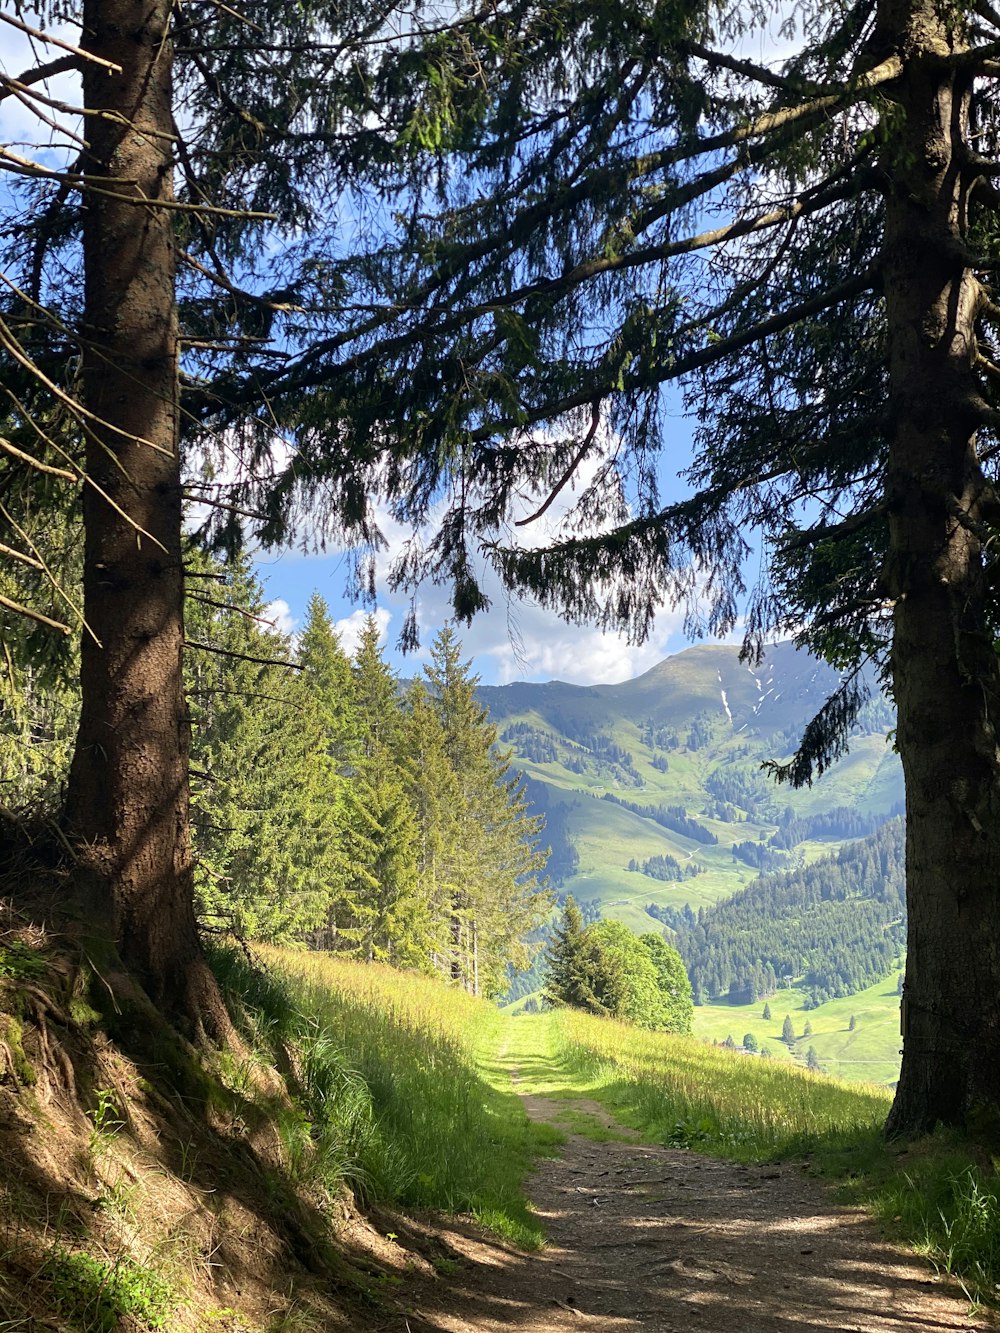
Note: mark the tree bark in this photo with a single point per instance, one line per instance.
(946, 674)
(127, 802)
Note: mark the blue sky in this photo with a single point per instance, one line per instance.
(515, 640)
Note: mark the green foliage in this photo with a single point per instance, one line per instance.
(606, 969)
(788, 1030)
(20, 962)
(266, 800)
(623, 978)
(676, 1008)
(93, 1294)
(497, 897)
(750, 1043)
(566, 979)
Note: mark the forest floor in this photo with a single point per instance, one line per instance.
(653, 1238)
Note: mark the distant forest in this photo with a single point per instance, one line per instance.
(839, 924)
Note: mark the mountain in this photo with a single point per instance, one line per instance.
(653, 789)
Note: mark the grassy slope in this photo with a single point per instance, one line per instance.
(673, 694)
(452, 1133)
(869, 1054)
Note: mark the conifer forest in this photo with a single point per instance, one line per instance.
(290, 276)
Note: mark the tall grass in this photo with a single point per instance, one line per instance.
(392, 1084)
(940, 1193)
(684, 1091)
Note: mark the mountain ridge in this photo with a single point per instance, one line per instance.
(687, 736)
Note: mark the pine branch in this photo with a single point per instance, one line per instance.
(698, 360)
(242, 657)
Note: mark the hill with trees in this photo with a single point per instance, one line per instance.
(661, 776)
(834, 927)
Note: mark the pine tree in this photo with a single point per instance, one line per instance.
(812, 1059)
(787, 1030)
(326, 676)
(434, 794)
(566, 980)
(497, 897)
(249, 135)
(383, 915)
(266, 802)
(840, 364)
(852, 1025)
(767, 1013)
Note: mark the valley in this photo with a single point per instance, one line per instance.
(659, 808)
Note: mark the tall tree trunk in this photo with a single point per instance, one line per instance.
(127, 804)
(945, 671)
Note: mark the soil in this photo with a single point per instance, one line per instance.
(643, 1237)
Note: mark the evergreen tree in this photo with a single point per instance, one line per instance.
(750, 1043)
(840, 363)
(326, 676)
(383, 915)
(497, 897)
(812, 1059)
(266, 803)
(852, 1024)
(250, 135)
(566, 981)
(434, 794)
(766, 1015)
(787, 1030)
(807, 1031)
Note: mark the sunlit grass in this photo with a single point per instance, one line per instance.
(443, 1106)
(681, 1090)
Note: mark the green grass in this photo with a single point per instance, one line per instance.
(675, 1087)
(432, 1119)
(869, 1054)
(941, 1193)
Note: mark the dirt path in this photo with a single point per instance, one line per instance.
(642, 1237)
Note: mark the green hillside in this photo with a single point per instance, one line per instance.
(868, 1054)
(691, 733)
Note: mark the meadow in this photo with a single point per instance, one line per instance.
(433, 1120)
(868, 1053)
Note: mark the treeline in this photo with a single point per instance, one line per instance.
(665, 868)
(839, 822)
(531, 743)
(672, 817)
(331, 805)
(838, 924)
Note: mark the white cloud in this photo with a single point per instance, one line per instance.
(279, 613)
(350, 627)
